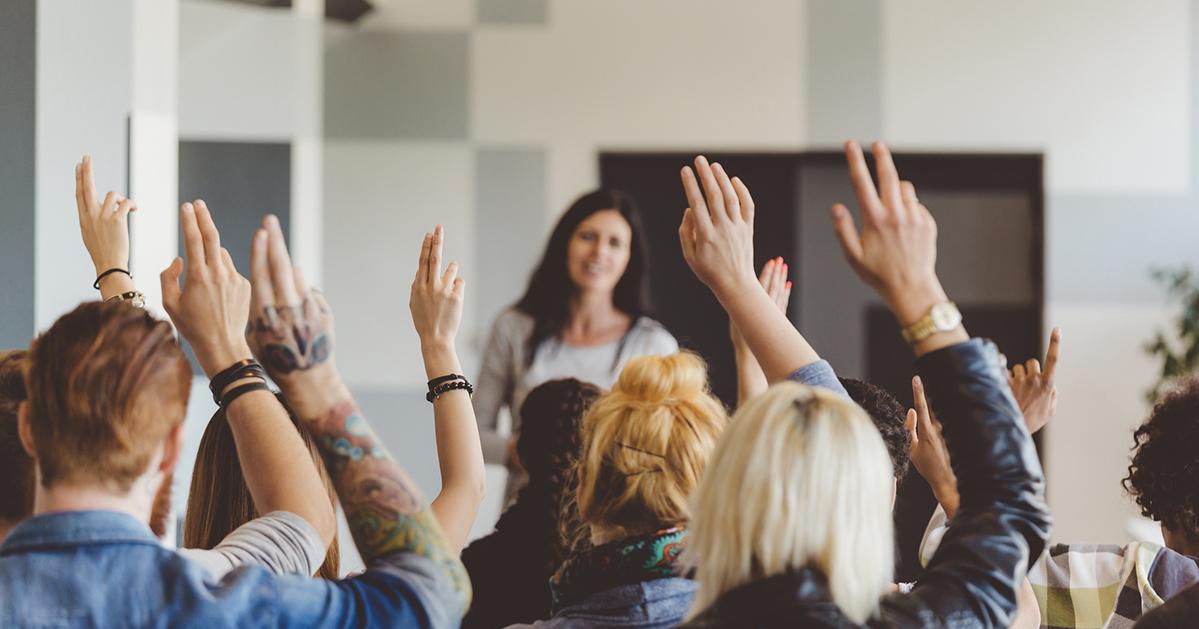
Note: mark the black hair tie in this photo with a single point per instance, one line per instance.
(96, 284)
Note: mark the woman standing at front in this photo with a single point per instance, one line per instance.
(584, 314)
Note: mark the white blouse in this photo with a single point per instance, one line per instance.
(505, 380)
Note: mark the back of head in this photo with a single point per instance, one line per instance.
(16, 468)
(646, 444)
(888, 415)
(801, 479)
(107, 382)
(219, 500)
(550, 418)
(1163, 476)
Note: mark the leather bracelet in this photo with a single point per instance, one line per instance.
(246, 368)
(242, 390)
(96, 284)
(443, 379)
(459, 385)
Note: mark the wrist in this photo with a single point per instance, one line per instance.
(218, 359)
(730, 287)
(440, 358)
(909, 301)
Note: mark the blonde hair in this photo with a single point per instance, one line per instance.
(801, 479)
(646, 443)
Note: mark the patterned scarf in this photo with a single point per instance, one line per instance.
(624, 562)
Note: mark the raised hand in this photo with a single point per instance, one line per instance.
(291, 326)
(1034, 389)
(436, 298)
(773, 279)
(930, 455)
(104, 227)
(717, 231)
(211, 309)
(896, 251)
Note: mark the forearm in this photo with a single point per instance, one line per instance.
(383, 507)
(779, 348)
(276, 464)
(1028, 611)
(751, 380)
(459, 451)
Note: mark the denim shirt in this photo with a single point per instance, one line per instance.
(653, 604)
(106, 569)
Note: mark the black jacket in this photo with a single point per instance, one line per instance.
(1002, 521)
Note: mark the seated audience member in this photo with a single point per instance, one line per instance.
(645, 445)
(219, 502)
(819, 551)
(292, 532)
(108, 388)
(16, 468)
(510, 569)
(1121, 581)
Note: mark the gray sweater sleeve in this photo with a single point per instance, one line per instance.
(493, 390)
(280, 541)
(820, 374)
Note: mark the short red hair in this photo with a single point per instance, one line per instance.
(106, 383)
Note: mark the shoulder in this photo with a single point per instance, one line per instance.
(647, 336)
(513, 322)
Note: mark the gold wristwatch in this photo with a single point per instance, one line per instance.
(942, 317)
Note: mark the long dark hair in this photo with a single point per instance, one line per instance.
(219, 501)
(547, 298)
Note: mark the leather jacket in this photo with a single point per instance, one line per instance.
(973, 579)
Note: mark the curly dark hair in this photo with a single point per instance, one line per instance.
(510, 569)
(1163, 476)
(888, 415)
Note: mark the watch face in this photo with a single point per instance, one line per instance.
(945, 316)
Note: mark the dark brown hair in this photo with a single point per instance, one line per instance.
(16, 468)
(1163, 477)
(107, 382)
(219, 501)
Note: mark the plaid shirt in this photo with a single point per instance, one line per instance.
(1082, 586)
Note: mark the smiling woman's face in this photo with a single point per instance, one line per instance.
(599, 251)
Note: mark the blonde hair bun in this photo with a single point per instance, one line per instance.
(661, 380)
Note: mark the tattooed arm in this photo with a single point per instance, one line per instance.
(293, 337)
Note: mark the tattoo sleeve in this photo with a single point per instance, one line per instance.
(383, 506)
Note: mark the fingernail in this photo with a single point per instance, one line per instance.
(187, 207)
(788, 285)
(770, 262)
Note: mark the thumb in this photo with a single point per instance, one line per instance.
(847, 234)
(171, 292)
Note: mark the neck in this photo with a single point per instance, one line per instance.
(1181, 543)
(591, 305)
(67, 497)
(6, 527)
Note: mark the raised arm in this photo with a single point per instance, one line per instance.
(751, 380)
(716, 235)
(1002, 520)
(436, 305)
(211, 312)
(294, 338)
(104, 225)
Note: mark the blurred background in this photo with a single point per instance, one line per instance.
(1053, 141)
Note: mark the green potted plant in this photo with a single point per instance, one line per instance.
(1179, 355)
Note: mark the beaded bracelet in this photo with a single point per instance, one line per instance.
(458, 385)
(443, 379)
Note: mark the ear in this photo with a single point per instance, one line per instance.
(172, 449)
(25, 430)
